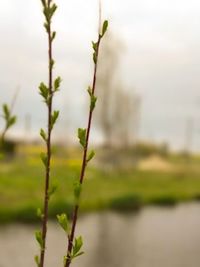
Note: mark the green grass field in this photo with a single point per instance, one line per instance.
(22, 182)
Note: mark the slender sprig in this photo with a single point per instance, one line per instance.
(9, 119)
(47, 92)
(74, 247)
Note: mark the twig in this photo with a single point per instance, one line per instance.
(84, 135)
(47, 92)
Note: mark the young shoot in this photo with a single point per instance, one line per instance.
(47, 92)
(74, 247)
(9, 119)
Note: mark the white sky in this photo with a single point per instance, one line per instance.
(161, 60)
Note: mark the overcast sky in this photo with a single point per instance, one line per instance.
(160, 59)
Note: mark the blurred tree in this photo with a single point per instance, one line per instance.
(125, 118)
(146, 149)
(118, 109)
(106, 82)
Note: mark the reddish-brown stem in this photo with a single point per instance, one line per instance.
(84, 163)
(48, 148)
(100, 19)
(3, 135)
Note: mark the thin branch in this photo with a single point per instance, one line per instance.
(71, 237)
(48, 147)
(100, 16)
(47, 92)
(10, 120)
(14, 99)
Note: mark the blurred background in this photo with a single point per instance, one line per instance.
(140, 200)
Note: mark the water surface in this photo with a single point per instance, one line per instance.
(153, 237)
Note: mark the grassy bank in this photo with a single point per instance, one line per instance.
(21, 184)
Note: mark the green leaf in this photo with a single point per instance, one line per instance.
(95, 57)
(43, 2)
(52, 62)
(52, 190)
(47, 15)
(77, 190)
(46, 12)
(64, 222)
(95, 46)
(64, 260)
(44, 91)
(82, 136)
(93, 99)
(57, 83)
(53, 36)
(43, 134)
(93, 102)
(89, 90)
(77, 247)
(49, 12)
(6, 111)
(44, 158)
(105, 27)
(11, 121)
(38, 237)
(91, 155)
(78, 254)
(46, 26)
(37, 260)
(39, 213)
(53, 9)
(54, 117)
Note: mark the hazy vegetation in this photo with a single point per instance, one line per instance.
(21, 180)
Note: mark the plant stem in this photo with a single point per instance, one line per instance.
(84, 163)
(9, 120)
(48, 148)
(100, 16)
(3, 136)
